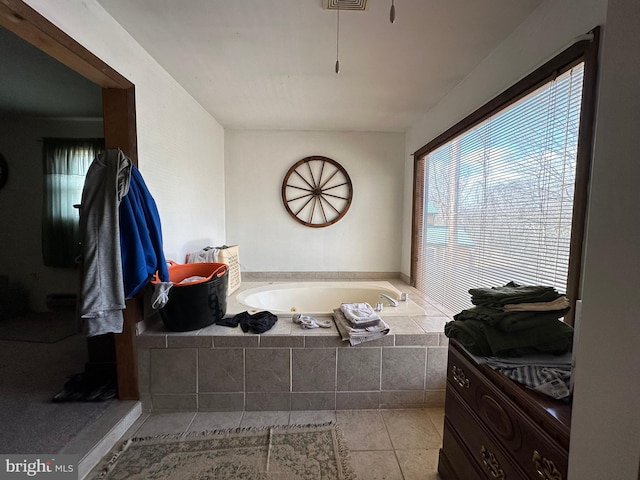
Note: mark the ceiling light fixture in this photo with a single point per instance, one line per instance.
(353, 5)
(338, 40)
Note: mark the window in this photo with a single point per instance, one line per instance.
(496, 196)
(66, 162)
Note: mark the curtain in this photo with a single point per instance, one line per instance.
(65, 164)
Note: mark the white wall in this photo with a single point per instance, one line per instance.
(545, 33)
(605, 435)
(21, 211)
(180, 146)
(366, 239)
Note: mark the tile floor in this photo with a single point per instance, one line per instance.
(384, 444)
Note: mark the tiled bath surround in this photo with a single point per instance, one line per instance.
(289, 368)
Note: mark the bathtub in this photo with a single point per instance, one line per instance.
(291, 368)
(317, 298)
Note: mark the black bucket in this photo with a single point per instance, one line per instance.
(198, 304)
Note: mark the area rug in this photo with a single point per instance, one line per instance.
(40, 327)
(309, 452)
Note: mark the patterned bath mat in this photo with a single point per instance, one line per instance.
(309, 452)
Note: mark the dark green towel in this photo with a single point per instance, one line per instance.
(509, 321)
(480, 338)
(512, 293)
(554, 337)
(470, 334)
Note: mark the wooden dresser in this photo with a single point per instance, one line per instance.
(496, 429)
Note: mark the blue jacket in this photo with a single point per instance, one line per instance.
(140, 237)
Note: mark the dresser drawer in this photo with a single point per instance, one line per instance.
(487, 454)
(538, 454)
(483, 399)
(455, 462)
(463, 376)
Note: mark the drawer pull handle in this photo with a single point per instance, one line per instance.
(490, 461)
(545, 468)
(459, 376)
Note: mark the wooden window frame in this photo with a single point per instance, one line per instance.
(586, 51)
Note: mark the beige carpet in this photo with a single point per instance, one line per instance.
(310, 452)
(30, 375)
(40, 327)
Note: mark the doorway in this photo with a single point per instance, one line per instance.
(118, 125)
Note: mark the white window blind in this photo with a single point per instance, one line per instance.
(498, 199)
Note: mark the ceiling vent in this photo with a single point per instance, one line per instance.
(358, 5)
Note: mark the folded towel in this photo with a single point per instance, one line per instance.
(470, 334)
(359, 314)
(548, 374)
(552, 381)
(206, 255)
(558, 304)
(356, 336)
(511, 321)
(380, 327)
(512, 293)
(480, 338)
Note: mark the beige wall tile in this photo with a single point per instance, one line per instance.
(173, 370)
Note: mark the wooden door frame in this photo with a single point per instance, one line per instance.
(119, 114)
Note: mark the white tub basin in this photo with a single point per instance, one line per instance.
(317, 298)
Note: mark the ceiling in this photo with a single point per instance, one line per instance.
(35, 85)
(269, 64)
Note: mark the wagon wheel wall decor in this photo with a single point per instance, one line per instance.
(317, 191)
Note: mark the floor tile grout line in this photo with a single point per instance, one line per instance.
(386, 427)
(436, 427)
(191, 422)
(393, 447)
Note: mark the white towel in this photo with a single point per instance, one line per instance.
(359, 313)
(380, 327)
(356, 336)
(194, 278)
(206, 255)
(559, 303)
